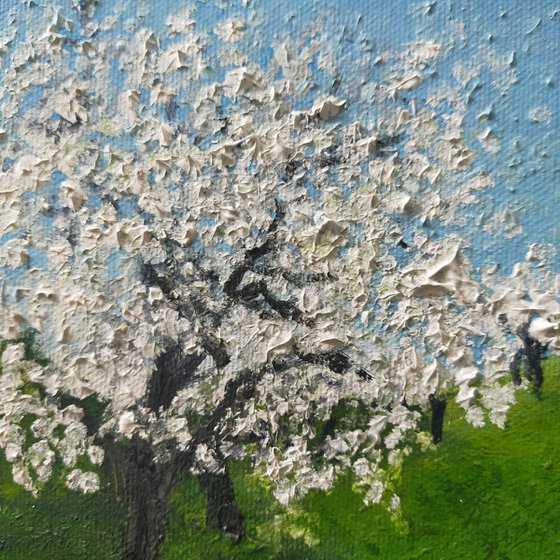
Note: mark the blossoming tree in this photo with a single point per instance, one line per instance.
(222, 258)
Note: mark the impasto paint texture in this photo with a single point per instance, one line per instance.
(289, 250)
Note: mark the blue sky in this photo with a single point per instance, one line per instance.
(526, 168)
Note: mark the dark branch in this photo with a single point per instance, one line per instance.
(533, 352)
(173, 371)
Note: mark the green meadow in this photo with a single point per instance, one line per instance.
(59, 524)
(483, 493)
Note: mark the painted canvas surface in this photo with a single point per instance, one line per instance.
(279, 280)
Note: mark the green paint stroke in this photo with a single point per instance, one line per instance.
(59, 523)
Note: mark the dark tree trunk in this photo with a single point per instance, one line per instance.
(221, 511)
(438, 413)
(141, 482)
(145, 487)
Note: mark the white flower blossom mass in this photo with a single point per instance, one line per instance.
(179, 144)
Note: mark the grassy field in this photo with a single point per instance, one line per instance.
(60, 524)
(482, 494)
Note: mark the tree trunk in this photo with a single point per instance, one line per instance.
(221, 511)
(145, 487)
(438, 412)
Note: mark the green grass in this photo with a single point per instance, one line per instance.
(482, 494)
(59, 524)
